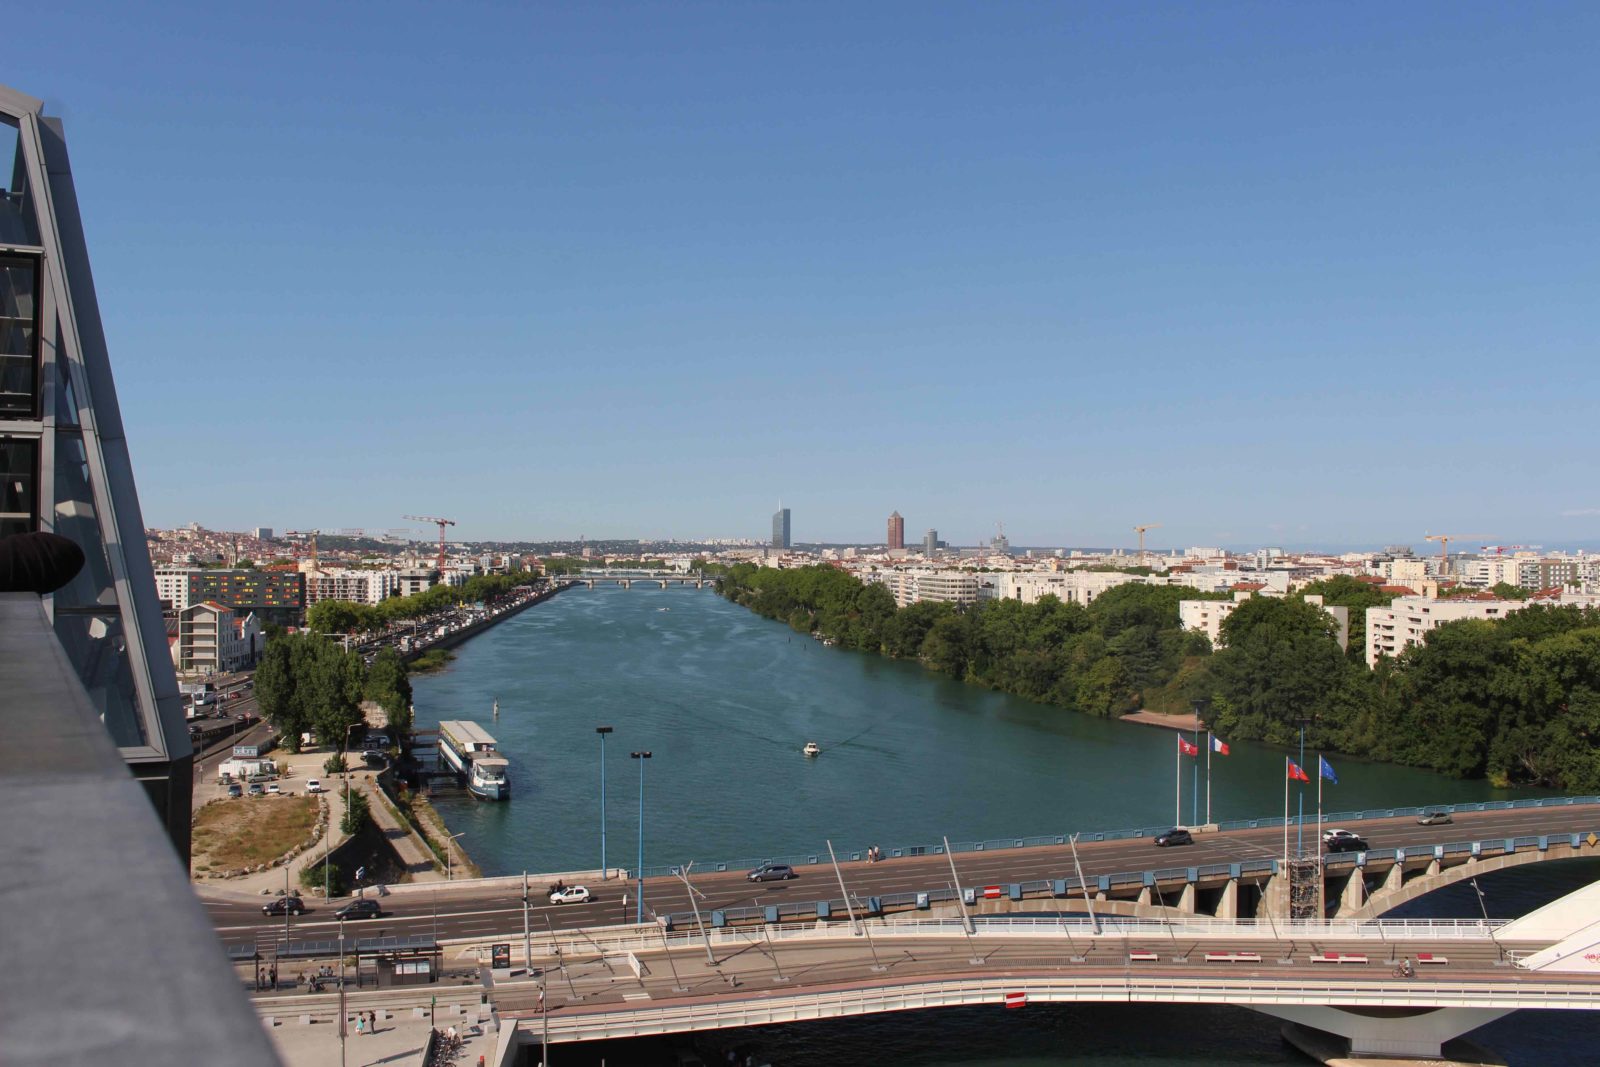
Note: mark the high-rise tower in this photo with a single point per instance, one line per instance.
(897, 531)
(65, 467)
(930, 543)
(780, 528)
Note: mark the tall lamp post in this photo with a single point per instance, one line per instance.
(641, 757)
(602, 731)
(448, 855)
(327, 840)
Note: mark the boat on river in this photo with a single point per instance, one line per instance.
(466, 748)
(812, 749)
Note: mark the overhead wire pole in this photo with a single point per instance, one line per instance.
(1088, 900)
(843, 892)
(683, 876)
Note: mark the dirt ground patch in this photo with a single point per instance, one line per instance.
(246, 831)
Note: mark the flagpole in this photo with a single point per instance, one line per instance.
(1177, 788)
(1194, 806)
(1209, 745)
(1322, 904)
(1286, 816)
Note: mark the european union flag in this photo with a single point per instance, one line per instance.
(1325, 769)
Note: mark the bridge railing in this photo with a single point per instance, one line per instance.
(620, 940)
(994, 844)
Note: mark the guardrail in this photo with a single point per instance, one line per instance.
(615, 941)
(779, 1007)
(809, 859)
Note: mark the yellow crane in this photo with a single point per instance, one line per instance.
(1140, 531)
(1444, 547)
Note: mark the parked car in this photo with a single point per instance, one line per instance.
(359, 909)
(257, 789)
(1175, 836)
(284, 906)
(313, 785)
(273, 790)
(572, 894)
(1434, 818)
(772, 872)
(235, 790)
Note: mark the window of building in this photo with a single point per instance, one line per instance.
(19, 334)
(19, 485)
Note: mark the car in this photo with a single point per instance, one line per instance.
(284, 906)
(1175, 836)
(572, 894)
(273, 790)
(1343, 841)
(235, 790)
(359, 909)
(772, 872)
(256, 789)
(374, 758)
(1434, 818)
(313, 785)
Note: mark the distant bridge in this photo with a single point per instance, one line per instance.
(626, 579)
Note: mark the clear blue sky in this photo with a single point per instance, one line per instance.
(1263, 273)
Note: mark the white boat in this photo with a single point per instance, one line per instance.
(812, 749)
(466, 748)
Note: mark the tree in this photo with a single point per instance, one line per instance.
(1280, 666)
(356, 813)
(1343, 591)
(389, 686)
(277, 691)
(340, 617)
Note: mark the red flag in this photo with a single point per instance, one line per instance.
(1295, 773)
(1187, 749)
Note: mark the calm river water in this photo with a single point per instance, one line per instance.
(725, 699)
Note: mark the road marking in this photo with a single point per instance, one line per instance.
(636, 996)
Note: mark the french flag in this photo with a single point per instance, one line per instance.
(1218, 746)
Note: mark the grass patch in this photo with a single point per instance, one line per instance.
(431, 661)
(251, 830)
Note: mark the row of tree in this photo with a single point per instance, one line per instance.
(307, 683)
(351, 617)
(1516, 700)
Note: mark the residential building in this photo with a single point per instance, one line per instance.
(1072, 587)
(950, 587)
(263, 533)
(212, 639)
(780, 529)
(1207, 616)
(1408, 619)
(361, 586)
(172, 587)
(66, 468)
(416, 580)
(897, 531)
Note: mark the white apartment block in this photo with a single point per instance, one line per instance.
(1069, 587)
(211, 638)
(1392, 630)
(1404, 571)
(950, 587)
(1207, 616)
(172, 587)
(363, 587)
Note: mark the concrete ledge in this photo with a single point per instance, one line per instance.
(1334, 1051)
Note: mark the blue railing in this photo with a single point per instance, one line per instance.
(809, 859)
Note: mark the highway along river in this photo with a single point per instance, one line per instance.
(725, 701)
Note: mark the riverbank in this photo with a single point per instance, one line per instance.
(451, 638)
(1182, 723)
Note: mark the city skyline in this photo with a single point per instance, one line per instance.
(1075, 271)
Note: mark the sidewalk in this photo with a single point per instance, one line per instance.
(397, 1040)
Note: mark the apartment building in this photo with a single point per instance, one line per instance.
(1070, 587)
(363, 587)
(950, 587)
(1408, 619)
(1207, 616)
(211, 638)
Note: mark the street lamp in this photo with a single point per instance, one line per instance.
(448, 855)
(641, 757)
(602, 731)
(327, 838)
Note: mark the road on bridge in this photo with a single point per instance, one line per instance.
(484, 911)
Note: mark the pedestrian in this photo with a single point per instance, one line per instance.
(361, 1023)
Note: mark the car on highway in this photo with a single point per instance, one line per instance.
(359, 909)
(284, 906)
(313, 785)
(1175, 836)
(772, 872)
(1434, 818)
(1343, 841)
(572, 894)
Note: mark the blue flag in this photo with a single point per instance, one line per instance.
(1325, 769)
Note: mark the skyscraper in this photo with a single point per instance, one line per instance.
(897, 531)
(930, 542)
(780, 528)
(65, 463)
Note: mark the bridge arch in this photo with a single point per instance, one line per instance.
(1389, 897)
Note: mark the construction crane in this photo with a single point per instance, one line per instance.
(1140, 531)
(1501, 550)
(442, 523)
(1444, 546)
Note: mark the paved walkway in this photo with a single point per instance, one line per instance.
(395, 1041)
(1187, 723)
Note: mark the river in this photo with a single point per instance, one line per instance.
(724, 700)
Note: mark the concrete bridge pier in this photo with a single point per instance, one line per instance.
(1417, 1032)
